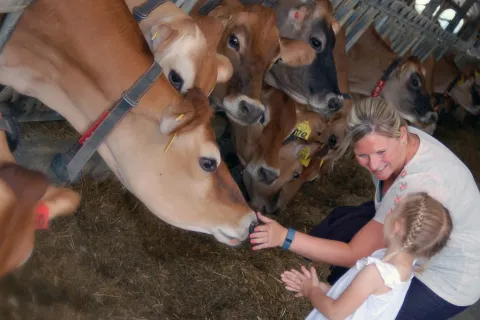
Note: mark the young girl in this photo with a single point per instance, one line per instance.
(417, 228)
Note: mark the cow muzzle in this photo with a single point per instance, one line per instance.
(244, 110)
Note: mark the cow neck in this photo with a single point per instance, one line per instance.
(386, 74)
(67, 166)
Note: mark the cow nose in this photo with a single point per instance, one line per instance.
(335, 103)
(251, 229)
(251, 111)
(267, 175)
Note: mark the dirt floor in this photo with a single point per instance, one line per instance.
(115, 260)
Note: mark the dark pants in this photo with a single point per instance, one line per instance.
(420, 303)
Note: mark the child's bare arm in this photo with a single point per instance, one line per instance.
(365, 283)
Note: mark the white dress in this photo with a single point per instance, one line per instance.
(384, 306)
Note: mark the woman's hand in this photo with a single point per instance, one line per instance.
(304, 283)
(270, 234)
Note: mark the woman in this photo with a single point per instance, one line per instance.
(401, 160)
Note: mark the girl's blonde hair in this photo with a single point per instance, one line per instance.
(367, 116)
(427, 222)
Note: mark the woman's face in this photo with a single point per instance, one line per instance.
(381, 155)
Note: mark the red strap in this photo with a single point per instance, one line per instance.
(41, 216)
(90, 131)
(378, 88)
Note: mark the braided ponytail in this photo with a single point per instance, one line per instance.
(428, 225)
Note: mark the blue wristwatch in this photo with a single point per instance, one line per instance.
(288, 240)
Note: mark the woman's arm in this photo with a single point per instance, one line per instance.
(366, 241)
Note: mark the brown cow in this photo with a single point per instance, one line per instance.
(252, 43)
(191, 60)
(23, 194)
(315, 84)
(293, 174)
(405, 87)
(262, 158)
(464, 85)
(80, 75)
(270, 198)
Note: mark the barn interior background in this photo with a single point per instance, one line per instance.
(115, 260)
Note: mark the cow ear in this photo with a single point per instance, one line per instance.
(296, 52)
(162, 37)
(194, 109)
(225, 69)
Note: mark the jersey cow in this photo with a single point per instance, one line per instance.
(72, 56)
(403, 79)
(314, 84)
(463, 86)
(252, 42)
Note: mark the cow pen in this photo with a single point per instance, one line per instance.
(113, 259)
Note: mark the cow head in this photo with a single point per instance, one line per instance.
(285, 116)
(406, 89)
(466, 92)
(185, 47)
(317, 83)
(294, 171)
(252, 43)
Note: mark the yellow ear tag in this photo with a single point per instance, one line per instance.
(304, 156)
(303, 130)
(154, 35)
(460, 82)
(321, 164)
(180, 117)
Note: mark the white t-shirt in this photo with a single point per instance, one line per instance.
(377, 307)
(454, 273)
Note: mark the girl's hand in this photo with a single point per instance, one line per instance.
(303, 282)
(270, 234)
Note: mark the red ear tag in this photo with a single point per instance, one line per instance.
(41, 216)
(296, 15)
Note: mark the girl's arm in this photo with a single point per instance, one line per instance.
(367, 282)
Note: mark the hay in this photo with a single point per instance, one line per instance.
(114, 260)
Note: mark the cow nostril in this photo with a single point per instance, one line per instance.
(334, 104)
(262, 119)
(267, 175)
(252, 226)
(243, 107)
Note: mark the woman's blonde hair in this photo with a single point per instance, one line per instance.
(427, 223)
(367, 116)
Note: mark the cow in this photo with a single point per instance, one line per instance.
(27, 201)
(463, 86)
(293, 172)
(194, 60)
(371, 59)
(315, 84)
(78, 57)
(260, 154)
(252, 42)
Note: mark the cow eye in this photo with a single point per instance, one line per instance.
(295, 176)
(208, 164)
(416, 84)
(175, 80)
(316, 44)
(233, 42)
(332, 141)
